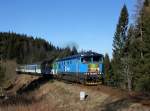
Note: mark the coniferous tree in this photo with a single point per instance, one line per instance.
(137, 51)
(142, 43)
(25, 49)
(128, 57)
(74, 50)
(107, 69)
(118, 45)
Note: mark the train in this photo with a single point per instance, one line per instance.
(85, 68)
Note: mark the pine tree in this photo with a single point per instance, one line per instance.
(25, 49)
(74, 50)
(128, 58)
(140, 48)
(143, 79)
(107, 69)
(118, 45)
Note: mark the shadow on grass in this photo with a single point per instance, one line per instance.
(142, 97)
(110, 104)
(116, 105)
(22, 97)
(35, 84)
(16, 100)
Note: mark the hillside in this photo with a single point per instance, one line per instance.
(27, 49)
(34, 93)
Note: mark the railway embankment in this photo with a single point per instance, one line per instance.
(30, 93)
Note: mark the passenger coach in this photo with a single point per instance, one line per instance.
(43, 68)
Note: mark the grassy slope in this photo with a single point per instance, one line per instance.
(10, 73)
(60, 96)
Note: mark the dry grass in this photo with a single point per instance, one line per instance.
(38, 106)
(20, 82)
(60, 96)
(10, 73)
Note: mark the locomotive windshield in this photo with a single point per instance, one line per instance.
(97, 59)
(86, 59)
(91, 59)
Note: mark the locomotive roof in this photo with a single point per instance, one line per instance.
(81, 55)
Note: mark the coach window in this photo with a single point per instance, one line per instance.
(38, 66)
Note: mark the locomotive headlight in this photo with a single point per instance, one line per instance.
(98, 69)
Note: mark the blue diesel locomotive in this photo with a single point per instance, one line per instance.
(85, 68)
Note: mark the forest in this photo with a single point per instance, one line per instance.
(129, 67)
(25, 49)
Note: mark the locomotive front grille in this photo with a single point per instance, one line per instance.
(92, 73)
(93, 83)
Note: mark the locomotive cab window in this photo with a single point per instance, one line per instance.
(86, 59)
(97, 59)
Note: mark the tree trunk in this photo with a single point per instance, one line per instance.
(129, 79)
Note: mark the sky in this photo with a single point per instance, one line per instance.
(88, 24)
